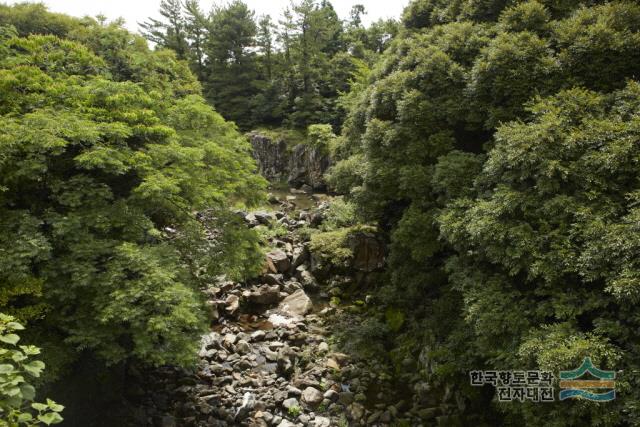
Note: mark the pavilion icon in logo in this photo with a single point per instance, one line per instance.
(599, 389)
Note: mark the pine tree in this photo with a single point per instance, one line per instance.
(171, 32)
(232, 67)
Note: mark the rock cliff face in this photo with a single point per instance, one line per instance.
(271, 156)
(302, 165)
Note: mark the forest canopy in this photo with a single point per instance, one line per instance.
(491, 145)
(117, 182)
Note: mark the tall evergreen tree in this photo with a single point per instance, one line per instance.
(170, 32)
(196, 29)
(231, 62)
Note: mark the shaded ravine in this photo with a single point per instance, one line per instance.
(269, 359)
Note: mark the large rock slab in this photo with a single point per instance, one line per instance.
(296, 304)
(265, 295)
(278, 261)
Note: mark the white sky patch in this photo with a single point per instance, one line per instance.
(135, 11)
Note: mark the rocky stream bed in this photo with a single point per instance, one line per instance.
(269, 359)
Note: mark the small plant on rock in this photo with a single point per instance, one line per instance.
(294, 411)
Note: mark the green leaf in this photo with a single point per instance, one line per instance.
(6, 368)
(39, 406)
(18, 356)
(28, 391)
(10, 339)
(15, 326)
(25, 417)
(13, 391)
(54, 406)
(30, 350)
(50, 418)
(34, 368)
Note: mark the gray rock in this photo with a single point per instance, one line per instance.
(345, 397)
(229, 340)
(232, 304)
(289, 403)
(307, 280)
(274, 279)
(258, 335)
(263, 218)
(278, 261)
(243, 347)
(284, 361)
(271, 156)
(294, 391)
(321, 422)
(331, 394)
(296, 304)
(251, 220)
(300, 256)
(248, 403)
(312, 396)
(265, 295)
(304, 419)
(356, 411)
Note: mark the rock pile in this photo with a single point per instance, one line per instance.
(268, 360)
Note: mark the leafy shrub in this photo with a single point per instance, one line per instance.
(341, 213)
(17, 407)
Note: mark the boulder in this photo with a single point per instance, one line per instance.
(321, 422)
(300, 256)
(265, 295)
(273, 279)
(243, 347)
(263, 218)
(278, 261)
(251, 220)
(232, 304)
(296, 304)
(308, 281)
(346, 397)
(312, 396)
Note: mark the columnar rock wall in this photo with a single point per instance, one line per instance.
(271, 156)
(301, 165)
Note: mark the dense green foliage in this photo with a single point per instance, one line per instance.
(117, 182)
(259, 73)
(496, 143)
(17, 407)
